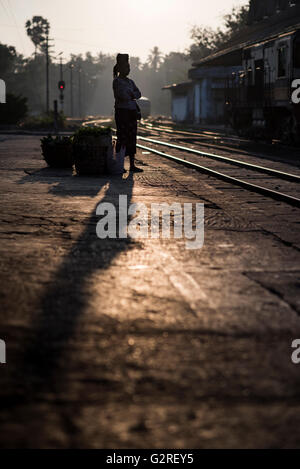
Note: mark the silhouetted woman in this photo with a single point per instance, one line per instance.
(126, 110)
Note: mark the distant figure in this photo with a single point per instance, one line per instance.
(126, 109)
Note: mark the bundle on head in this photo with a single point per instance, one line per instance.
(122, 59)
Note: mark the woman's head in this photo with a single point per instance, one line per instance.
(122, 68)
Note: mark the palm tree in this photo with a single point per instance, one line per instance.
(155, 58)
(38, 29)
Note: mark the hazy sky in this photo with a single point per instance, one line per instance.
(110, 26)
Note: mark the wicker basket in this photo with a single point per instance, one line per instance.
(58, 155)
(90, 155)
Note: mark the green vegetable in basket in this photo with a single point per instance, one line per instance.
(98, 131)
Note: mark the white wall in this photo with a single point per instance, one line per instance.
(179, 108)
(197, 102)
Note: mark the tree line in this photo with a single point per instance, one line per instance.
(91, 75)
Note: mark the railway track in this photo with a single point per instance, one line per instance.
(262, 169)
(205, 138)
(274, 194)
(195, 138)
(274, 176)
(201, 139)
(218, 136)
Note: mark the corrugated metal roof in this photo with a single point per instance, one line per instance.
(178, 85)
(286, 21)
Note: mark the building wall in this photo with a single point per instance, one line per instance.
(203, 101)
(197, 103)
(179, 108)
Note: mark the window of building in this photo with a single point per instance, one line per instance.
(282, 62)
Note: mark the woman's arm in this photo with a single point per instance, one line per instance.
(136, 92)
(122, 91)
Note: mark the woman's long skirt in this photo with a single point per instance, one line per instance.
(126, 121)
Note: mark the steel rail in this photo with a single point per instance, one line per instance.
(246, 185)
(243, 164)
(203, 143)
(207, 134)
(219, 146)
(214, 135)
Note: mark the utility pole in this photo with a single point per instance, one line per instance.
(61, 69)
(79, 92)
(62, 89)
(47, 70)
(71, 89)
(55, 118)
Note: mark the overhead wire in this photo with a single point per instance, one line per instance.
(10, 9)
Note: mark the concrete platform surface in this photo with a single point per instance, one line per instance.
(142, 343)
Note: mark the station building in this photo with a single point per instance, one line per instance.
(202, 98)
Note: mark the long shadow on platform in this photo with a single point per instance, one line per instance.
(64, 301)
(65, 184)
